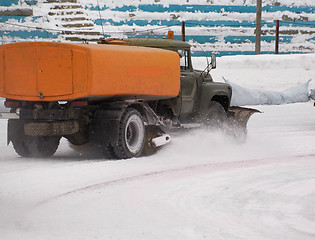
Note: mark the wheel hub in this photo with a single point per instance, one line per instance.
(134, 134)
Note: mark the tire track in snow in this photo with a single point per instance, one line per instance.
(210, 167)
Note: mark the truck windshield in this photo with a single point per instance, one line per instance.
(183, 59)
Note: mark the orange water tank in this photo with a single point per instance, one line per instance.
(44, 71)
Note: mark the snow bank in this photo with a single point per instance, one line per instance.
(312, 94)
(264, 72)
(2, 108)
(244, 96)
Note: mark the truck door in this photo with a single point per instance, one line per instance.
(188, 84)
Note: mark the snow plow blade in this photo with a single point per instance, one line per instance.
(239, 116)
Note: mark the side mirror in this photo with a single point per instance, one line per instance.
(213, 61)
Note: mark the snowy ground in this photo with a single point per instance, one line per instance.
(201, 186)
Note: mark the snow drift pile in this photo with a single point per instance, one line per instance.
(245, 96)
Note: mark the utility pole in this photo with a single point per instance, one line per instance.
(258, 26)
(183, 31)
(277, 38)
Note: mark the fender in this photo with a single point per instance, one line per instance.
(211, 91)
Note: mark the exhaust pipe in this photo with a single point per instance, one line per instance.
(161, 140)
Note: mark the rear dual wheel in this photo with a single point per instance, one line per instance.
(31, 146)
(21, 148)
(38, 147)
(43, 146)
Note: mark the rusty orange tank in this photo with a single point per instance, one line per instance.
(43, 71)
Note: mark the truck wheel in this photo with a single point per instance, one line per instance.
(42, 146)
(131, 135)
(77, 138)
(21, 148)
(107, 152)
(18, 138)
(216, 116)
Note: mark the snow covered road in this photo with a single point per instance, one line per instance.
(201, 186)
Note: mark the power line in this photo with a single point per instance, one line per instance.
(107, 32)
(37, 28)
(134, 32)
(153, 29)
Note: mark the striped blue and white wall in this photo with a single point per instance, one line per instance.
(225, 27)
(18, 22)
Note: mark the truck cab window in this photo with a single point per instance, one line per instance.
(183, 59)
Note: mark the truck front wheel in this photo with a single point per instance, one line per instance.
(131, 135)
(216, 116)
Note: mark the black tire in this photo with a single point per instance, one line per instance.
(81, 137)
(18, 138)
(42, 146)
(108, 152)
(131, 135)
(216, 116)
(77, 138)
(21, 148)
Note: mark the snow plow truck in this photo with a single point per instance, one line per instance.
(121, 95)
